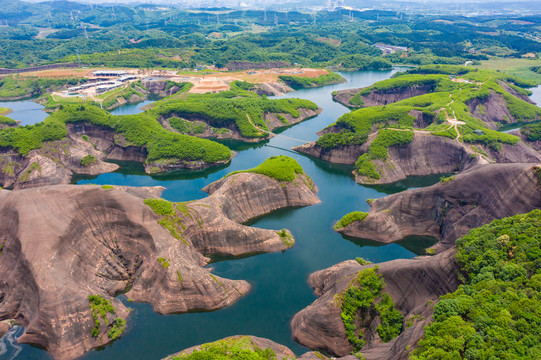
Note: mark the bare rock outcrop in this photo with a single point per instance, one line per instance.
(493, 110)
(381, 97)
(426, 154)
(63, 243)
(412, 284)
(213, 225)
(273, 89)
(449, 210)
(54, 163)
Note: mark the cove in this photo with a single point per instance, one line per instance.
(279, 280)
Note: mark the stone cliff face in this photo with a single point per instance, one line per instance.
(214, 225)
(449, 210)
(273, 89)
(57, 161)
(61, 244)
(64, 243)
(426, 154)
(493, 110)
(412, 284)
(54, 163)
(381, 97)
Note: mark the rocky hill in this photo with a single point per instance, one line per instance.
(451, 208)
(422, 122)
(67, 251)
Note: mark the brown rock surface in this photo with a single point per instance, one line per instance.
(426, 154)
(412, 284)
(381, 97)
(213, 224)
(449, 210)
(64, 243)
(55, 163)
(493, 110)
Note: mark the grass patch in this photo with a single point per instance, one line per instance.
(281, 168)
(160, 206)
(350, 218)
(301, 82)
(444, 179)
(235, 348)
(164, 262)
(286, 237)
(99, 307)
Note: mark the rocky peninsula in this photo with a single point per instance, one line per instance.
(67, 251)
(450, 208)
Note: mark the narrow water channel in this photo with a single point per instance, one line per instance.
(279, 280)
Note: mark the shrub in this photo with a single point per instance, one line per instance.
(160, 206)
(88, 160)
(350, 218)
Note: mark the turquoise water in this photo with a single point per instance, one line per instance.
(27, 112)
(279, 280)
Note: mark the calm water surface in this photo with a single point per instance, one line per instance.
(27, 112)
(279, 280)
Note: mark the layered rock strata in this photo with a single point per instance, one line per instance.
(413, 285)
(448, 210)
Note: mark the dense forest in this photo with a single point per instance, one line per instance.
(148, 36)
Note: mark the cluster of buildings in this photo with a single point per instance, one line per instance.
(389, 49)
(107, 80)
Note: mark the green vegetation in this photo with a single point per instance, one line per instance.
(88, 160)
(34, 166)
(179, 277)
(444, 179)
(532, 131)
(160, 206)
(4, 120)
(494, 314)
(298, 82)
(174, 215)
(364, 297)
(99, 307)
(378, 150)
(164, 262)
(237, 107)
(187, 127)
(350, 218)
(4, 111)
(286, 237)
(362, 261)
(17, 86)
(107, 187)
(281, 168)
(446, 99)
(237, 348)
(117, 328)
(138, 130)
